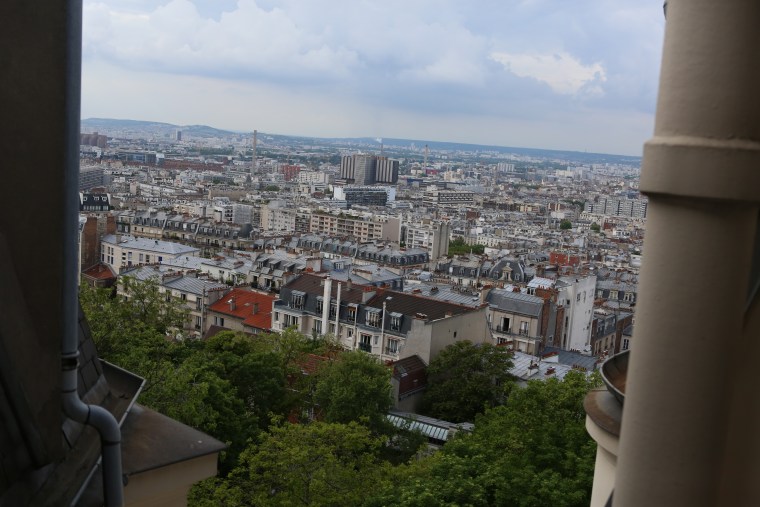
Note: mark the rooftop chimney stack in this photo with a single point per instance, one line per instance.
(253, 158)
(326, 304)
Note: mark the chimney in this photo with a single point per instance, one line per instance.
(349, 283)
(231, 301)
(255, 308)
(326, 304)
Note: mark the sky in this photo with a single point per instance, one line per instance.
(553, 74)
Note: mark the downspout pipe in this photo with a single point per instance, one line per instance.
(73, 407)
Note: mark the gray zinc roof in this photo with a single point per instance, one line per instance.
(516, 302)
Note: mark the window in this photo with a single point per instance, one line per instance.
(365, 343)
(625, 344)
(524, 328)
(198, 304)
(392, 347)
(396, 321)
(352, 312)
(296, 300)
(333, 310)
(613, 294)
(318, 326)
(141, 258)
(160, 259)
(277, 316)
(168, 296)
(372, 317)
(183, 296)
(147, 259)
(218, 321)
(320, 304)
(578, 297)
(198, 322)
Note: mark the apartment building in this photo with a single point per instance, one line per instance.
(388, 324)
(433, 236)
(124, 251)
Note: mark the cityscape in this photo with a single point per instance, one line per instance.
(390, 248)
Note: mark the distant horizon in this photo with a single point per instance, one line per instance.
(365, 137)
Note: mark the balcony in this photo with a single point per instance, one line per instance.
(366, 347)
(389, 351)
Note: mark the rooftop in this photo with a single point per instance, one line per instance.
(149, 245)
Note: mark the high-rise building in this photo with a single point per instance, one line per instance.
(368, 169)
(386, 170)
(364, 169)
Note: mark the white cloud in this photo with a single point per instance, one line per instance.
(430, 59)
(561, 71)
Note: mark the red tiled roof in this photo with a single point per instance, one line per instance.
(310, 363)
(99, 272)
(244, 303)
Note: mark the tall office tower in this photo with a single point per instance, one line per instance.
(364, 169)
(178, 135)
(386, 170)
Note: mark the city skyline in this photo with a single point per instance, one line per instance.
(532, 74)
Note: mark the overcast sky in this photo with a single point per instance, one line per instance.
(555, 74)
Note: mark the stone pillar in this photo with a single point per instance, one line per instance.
(701, 171)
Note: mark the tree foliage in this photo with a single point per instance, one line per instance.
(464, 379)
(565, 225)
(457, 246)
(532, 452)
(303, 464)
(355, 387)
(595, 227)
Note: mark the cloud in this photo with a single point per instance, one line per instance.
(562, 72)
(432, 59)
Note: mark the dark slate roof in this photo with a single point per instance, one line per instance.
(313, 284)
(516, 302)
(412, 304)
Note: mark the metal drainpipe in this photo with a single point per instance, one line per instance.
(92, 415)
(701, 171)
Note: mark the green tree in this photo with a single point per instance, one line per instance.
(532, 452)
(354, 388)
(595, 227)
(565, 225)
(465, 378)
(302, 464)
(140, 309)
(457, 246)
(187, 380)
